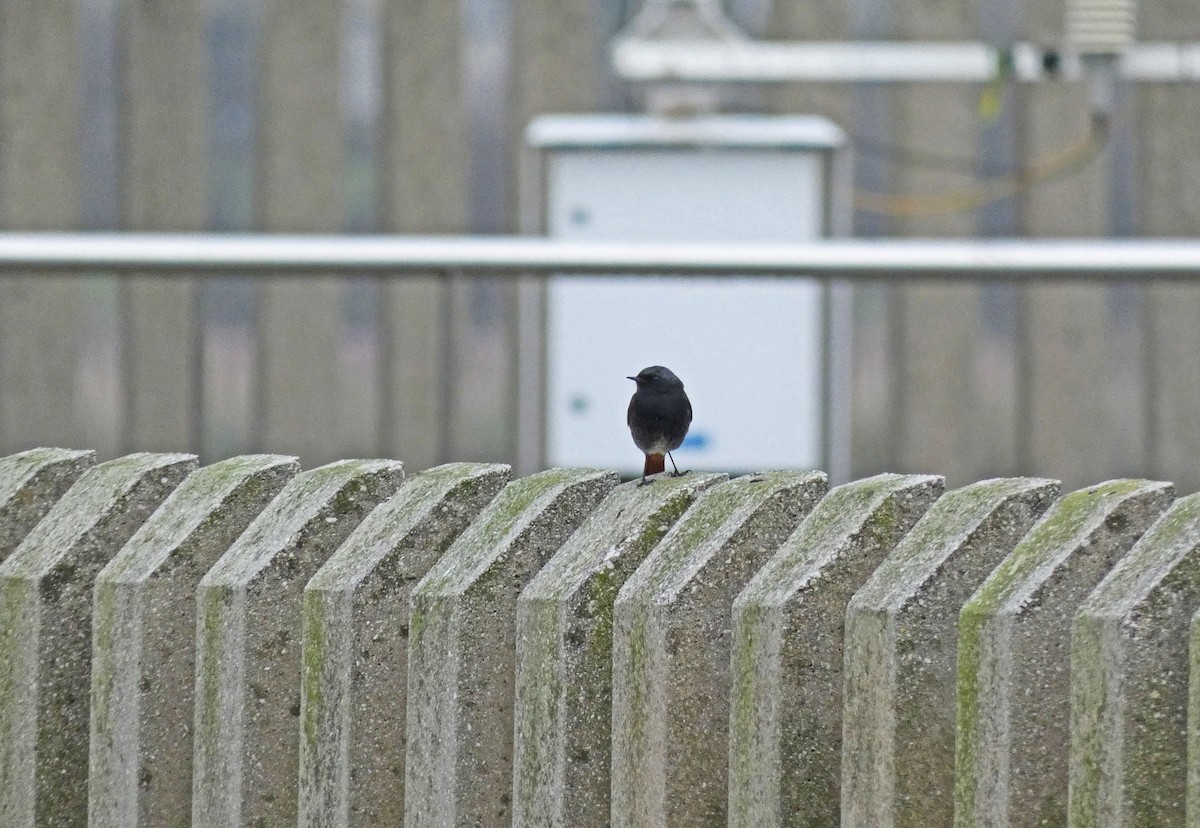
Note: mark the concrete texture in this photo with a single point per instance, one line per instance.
(671, 643)
(165, 166)
(463, 648)
(1014, 645)
(30, 484)
(248, 644)
(434, 653)
(1129, 680)
(41, 323)
(45, 634)
(356, 640)
(900, 664)
(143, 642)
(785, 741)
(300, 187)
(563, 707)
(424, 187)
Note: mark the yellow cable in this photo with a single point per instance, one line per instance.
(1071, 157)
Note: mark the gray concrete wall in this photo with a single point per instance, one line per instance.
(45, 633)
(788, 638)
(1073, 381)
(164, 165)
(462, 659)
(143, 641)
(672, 638)
(353, 693)
(1014, 673)
(245, 644)
(39, 190)
(249, 633)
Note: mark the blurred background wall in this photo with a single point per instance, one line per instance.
(406, 116)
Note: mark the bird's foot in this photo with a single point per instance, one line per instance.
(678, 473)
(645, 481)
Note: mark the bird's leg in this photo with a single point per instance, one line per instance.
(677, 472)
(645, 481)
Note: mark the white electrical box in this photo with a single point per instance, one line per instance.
(751, 350)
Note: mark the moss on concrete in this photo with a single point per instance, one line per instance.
(313, 668)
(1129, 702)
(946, 527)
(507, 516)
(18, 641)
(30, 484)
(907, 613)
(1063, 528)
(105, 634)
(211, 653)
(1132, 579)
(450, 493)
(1090, 715)
(565, 628)
(838, 516)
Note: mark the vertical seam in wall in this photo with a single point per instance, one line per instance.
(871, 19)
(447, 340)
(998, 22)
(128, 391)
(196, 380)
(1151, 401)
(258, 429)
(897, 397)
(1123, 192)
(1021, 392)
(126, 382)
(385, 353)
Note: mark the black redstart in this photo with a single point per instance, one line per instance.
(659, 415)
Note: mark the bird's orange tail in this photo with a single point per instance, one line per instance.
(655, 463)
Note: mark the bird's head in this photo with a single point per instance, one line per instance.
(657, 378)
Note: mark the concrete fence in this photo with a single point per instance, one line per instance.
(251, 644)
(406, 117)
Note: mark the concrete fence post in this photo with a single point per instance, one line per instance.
(1014, 662)
(1129, 741)
(785, 730)
(563, 708)
(30, 484)
(671, 644)
(900, 665)
(463, 648)
(45, 634)
(248, 643)
(143, 642)
(356, 640)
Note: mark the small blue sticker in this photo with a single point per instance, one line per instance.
(696, 441)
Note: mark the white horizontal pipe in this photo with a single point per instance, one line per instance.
(742, 61)
(764, 62)
(506, 255)
(1163, 62)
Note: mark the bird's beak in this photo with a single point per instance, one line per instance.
(632, 378)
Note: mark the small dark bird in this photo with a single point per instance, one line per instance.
(659, 415)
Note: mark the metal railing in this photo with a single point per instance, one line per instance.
(838, 262)
(1116, 260)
